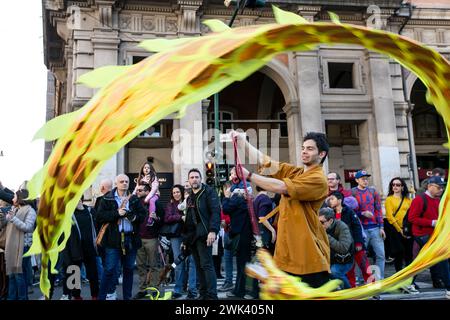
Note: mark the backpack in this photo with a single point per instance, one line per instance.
(407, 225)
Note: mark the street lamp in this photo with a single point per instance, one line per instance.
(405, 11)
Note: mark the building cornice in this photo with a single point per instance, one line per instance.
(148, 8)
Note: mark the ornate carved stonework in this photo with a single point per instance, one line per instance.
(197, 3)
(147, 8)
(80, 4)
(125, 22)
(189, 20)
(148, 23)
(136, 22)
(54, 4)
(246, 22)
(291, 108)
(105, 10)
(171, 25)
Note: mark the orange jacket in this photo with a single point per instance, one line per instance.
(302, 245)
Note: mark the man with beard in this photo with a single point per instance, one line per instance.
(302, 246)
(202, 224)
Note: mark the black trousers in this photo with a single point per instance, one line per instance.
(315, 280)
(91, 273)
(243, 255)
(205, 269)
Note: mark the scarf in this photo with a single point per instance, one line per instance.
(14, 243)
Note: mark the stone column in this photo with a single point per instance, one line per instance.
(189, 22)
(308, 12)
(205, 105)
(105, 44)
(191, 141)
(309, 91)
(294, 131)
(384, 118)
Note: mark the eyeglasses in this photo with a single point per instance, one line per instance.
(396, 184)
(123, 181)
(437, 186)
(323, 222)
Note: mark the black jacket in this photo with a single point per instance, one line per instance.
(108, 213)
(236, 208)
(81, 243)
(6, 195)
(352, 221)
(207, 205)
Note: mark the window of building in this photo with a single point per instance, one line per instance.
(340, 75)
(155, 131)
(428, 125)
(223, 116)
(283, 125)
(137, 59)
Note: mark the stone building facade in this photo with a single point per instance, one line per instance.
(354, 95)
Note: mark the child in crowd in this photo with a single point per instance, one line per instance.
(147, 175)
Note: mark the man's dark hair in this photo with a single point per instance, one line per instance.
(338, 195)
(145, 186)
(321, 141)
(439, 171)
(195, 170)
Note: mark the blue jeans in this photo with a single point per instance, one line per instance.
(99, 266)
(18, 282)
(17, 288)
(375, 240)
(338, 271)
(228, 261)
(113, 258)
(180, 270)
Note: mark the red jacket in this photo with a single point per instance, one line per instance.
(226, 218)
(421, 226)
(345, 193)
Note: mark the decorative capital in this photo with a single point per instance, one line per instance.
(291, 108)
(190, 23)
(105, 11)
(205, 105)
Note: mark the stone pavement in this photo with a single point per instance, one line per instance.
(427, 292)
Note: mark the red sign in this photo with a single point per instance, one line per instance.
(350, 174)
(426, 173)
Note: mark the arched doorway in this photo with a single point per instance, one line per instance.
(255, 103)
(429, 133)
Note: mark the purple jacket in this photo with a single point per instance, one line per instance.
(172, 214)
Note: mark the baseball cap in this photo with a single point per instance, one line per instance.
(436, 180)
(362, 173)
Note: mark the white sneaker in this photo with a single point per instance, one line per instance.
(111, 296)
(64, 297)
(411, 289)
